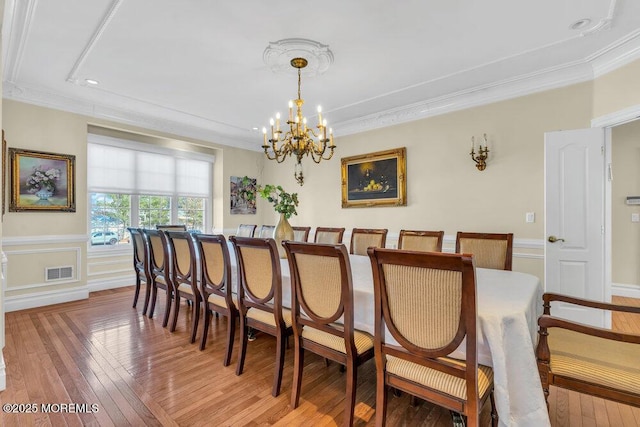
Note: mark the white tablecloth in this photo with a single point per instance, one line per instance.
(508, 303)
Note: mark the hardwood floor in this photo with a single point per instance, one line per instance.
(102, 352)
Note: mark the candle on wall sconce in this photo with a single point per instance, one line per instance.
(483, 153)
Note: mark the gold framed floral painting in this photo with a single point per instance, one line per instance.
(42, 181)
(375, 179)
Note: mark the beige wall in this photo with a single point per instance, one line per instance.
(617, 90)
(444, 189)
(626, 182)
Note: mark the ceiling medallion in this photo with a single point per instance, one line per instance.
(278, 55)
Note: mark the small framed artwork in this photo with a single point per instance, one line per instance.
(42, 181)
(375, 179)
(243, 195)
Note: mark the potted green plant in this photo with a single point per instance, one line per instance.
(285, 204)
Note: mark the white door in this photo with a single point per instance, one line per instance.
(574, 220)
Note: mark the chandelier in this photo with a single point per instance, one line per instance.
(299, 140)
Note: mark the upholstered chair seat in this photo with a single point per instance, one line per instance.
(438, 380)
(595, 360)
(268, 318)
(362, 340)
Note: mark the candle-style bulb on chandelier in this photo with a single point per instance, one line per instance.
(300, 139)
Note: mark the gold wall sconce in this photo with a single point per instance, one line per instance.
(483, 153)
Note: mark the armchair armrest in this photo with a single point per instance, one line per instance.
(548, 297)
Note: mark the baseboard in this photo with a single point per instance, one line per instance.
(41, 299)
(102, 284)
(625, 290)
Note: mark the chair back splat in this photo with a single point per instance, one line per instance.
(260, 298)
(184, 277)
(427, 302)
(328, 235)
(266, 231)
(322, 296)
(490, 250)
(363, 238)
(301, 234)
(215, 286)
(420, 240)
(246, 230)
(159, 270)
(140, 266)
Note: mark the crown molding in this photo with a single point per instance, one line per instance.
(146, 117)
(617, 117)
(616, 55)
(550, 78)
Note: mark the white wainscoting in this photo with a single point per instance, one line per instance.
(40, 299)
(625, 290)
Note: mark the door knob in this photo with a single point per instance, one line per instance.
(554, 239)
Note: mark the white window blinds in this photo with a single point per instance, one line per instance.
(123, 170)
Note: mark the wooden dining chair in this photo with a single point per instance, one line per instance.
(595, 361)
(184, 277)
(260, 298)
(159, 270)
(265, 231)
(215, 286)
(322, 295)
(246, 230)
(328, 235)
(171, 227)
(140, 266)
(420, 240)
(490, 250)
(301, 234)
(363, 238)
(427, 302)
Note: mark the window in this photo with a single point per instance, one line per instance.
(140, 185)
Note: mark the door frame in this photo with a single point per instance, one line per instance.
(608, 122)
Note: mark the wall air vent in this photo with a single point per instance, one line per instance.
(58, 273)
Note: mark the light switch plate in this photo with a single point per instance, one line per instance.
(530, 217)
(635, 217)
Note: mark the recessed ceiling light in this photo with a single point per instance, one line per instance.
(580, 24)
(254, 128)
(91, 81)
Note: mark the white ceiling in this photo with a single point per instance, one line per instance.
(195, 67)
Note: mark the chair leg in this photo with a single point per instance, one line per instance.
(167, 309)
(196, 318)
(298, 363)
(243, 346)
(231, 333)
(494, 412)
(381, 399)
(176, 311)
(137, 292)
(350, 399)
(154, 296)
(147, 291)
(205, 328)
(277, 378)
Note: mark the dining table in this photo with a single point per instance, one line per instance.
(508, 306)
